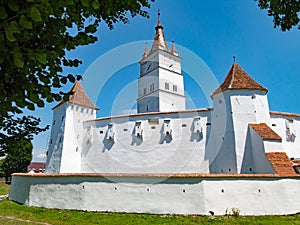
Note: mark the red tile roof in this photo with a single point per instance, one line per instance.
(265, 132)
(78, 96)
(237, 79)
(37, 166)
(281, 163)
(285, 114)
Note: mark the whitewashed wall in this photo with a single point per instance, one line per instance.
(248, 106)
(232, 113)
(55, 143)
(67, 135)
(261, 163)
(278, 124)
(182, 151)
(255, 196)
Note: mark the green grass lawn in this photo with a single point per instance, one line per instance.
(4, 188)
(13, 213)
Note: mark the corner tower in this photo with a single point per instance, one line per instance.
(238, 102)
(67, 132)
(160, 85)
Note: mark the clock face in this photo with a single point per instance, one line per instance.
(147, 67)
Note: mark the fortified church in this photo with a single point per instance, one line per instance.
(166, 159)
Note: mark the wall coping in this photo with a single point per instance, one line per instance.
(155, 175)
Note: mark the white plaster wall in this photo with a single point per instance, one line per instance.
(220, 149)
(278, 124)
(169, 102)
(232, 113)
(260, 162)
(253, 196)
(248, 159)
(74, 136)
(167, 59)
(168, 71)
(171, 78)
(67, 134)
(256, 196)
(261, 107)
(55, 143)
(145, 81)
(247, 107)
(273, 146)
(154, 151)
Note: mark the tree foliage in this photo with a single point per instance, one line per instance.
(35, 36)
(285, 13)
(18, 158)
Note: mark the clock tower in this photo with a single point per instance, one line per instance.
(160, 85)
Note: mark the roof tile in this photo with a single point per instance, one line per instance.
(265, 132)
(282, 165)
(78, 96)
(237, 79)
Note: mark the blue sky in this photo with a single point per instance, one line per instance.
(213, 30)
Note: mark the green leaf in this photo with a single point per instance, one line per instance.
(34, 97)
(20, 102)
(96, 4)
(35, 14)
(18, 60)
(41, 57)
(44, 79)
(10, 30)
(63, 80)
(30, 106)
(57, 97)
(13, 6)
(70, 2)
(3, 14)
(40, 104)
(25, 23)
(9, 35)
(66, 97)
(71, 78)
(85, 3)
(14, 27)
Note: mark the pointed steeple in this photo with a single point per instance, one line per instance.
(146, 52)
(78, 96)
(159, 38)
(238, 79)
(174, 52)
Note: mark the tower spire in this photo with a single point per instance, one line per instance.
(146, 52)
(174, 49)
(159, 38)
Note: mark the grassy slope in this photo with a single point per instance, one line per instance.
(13, 213)
(4, 188)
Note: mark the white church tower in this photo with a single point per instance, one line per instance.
(67, 133)
(160, 85)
